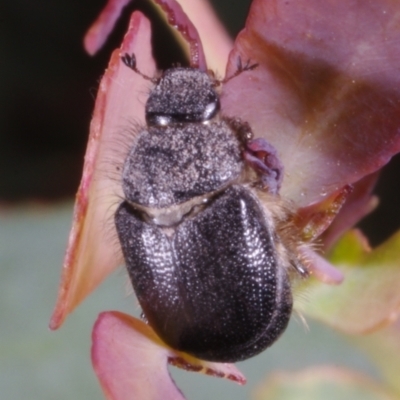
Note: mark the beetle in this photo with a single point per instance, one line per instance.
(209, 248)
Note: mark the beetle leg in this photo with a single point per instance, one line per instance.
(263, 158)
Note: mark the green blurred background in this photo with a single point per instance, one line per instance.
(47, 90)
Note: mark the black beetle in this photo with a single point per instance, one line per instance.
(202, 230)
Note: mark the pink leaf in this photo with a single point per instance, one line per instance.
(102, 27)
(131, 361)
(92, 252)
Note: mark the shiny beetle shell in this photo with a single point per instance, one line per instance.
(203, 252)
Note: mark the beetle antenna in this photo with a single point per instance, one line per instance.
(130, 61)
(240, 67)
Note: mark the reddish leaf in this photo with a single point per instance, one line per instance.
(314, 219)
(216, 42)
(359, 204)
(326, 92)
(178, 19)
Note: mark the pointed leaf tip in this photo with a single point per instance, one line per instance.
(93, 251)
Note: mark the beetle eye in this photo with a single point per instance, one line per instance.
(211, 110)
(206, 113)
(158, 119)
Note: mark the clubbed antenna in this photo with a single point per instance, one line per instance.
(239, 69)
(130, 61)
